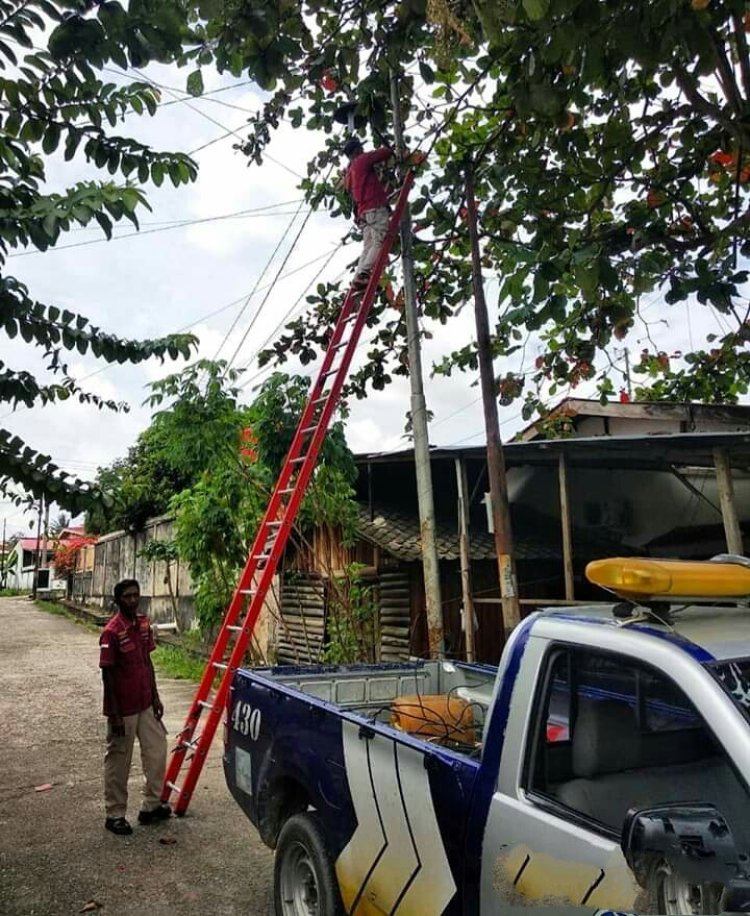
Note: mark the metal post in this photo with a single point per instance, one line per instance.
(36, 555)
(567, 541)
(465, 555)
(45, 540)
(732, 530)
(430, 561)
(627, 373)
(5, 558)
(495, 459)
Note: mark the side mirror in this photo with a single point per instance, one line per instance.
(696, 841)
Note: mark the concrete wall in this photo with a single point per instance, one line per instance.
(116, 556)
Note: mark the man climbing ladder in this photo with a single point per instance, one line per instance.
(194, 740)
(370, 200)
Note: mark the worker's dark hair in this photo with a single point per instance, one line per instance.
(352, 145)
(122, 585)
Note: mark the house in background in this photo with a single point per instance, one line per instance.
(585, 418)
(22, 561)
(672, 482)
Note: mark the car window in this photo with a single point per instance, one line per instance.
(657, 703)
(615, 734)
(734, 677)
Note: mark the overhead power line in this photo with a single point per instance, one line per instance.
(142, 232)
(286, 317)
(208, 117)
(257, 282)
(271, 287)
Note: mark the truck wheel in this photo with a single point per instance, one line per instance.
(672, 895)
(304, 880)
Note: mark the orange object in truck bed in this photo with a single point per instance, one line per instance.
(434, 716)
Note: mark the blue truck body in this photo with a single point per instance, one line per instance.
(416, 825)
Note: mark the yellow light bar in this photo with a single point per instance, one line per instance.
(639, 578)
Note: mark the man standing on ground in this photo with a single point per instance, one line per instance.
(371, 210)
(133, 708)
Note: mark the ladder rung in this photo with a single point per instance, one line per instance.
(273, 524)
(331, 372)
(322, 399)
(247, 591)
(343, 343)
(191, 744)
(174, 787)
(286, 490)
(222, 666)
(235, 628)
(299, 460)
(205, 704)
(310, 429)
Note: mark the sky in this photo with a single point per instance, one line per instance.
(202, 251)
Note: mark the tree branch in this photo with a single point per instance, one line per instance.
(690, 89)
(726, 76)
(742, 52)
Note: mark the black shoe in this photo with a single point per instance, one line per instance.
(118, 826)
(158, 814)
(361, 280)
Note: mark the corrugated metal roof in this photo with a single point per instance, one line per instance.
(398, 533)
(659, 451)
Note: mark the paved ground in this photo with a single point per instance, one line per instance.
(55, 856)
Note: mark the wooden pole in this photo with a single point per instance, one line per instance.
(728, 508)
(567, 541)
(495, 459)
(465, 555)
(430, 560)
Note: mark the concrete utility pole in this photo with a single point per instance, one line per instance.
(464, 544)
(430, 562)
(495, 459)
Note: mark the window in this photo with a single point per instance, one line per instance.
(734, 677)
(614, 734)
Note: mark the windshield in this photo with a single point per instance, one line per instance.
(734, 676)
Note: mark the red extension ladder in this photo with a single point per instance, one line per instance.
(274, 529)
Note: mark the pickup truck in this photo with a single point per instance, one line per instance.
(604, 763)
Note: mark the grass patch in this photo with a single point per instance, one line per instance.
(12, 592)
(176, 662)
(51, 607)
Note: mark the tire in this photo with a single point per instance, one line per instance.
(671, 895)
(304, 880)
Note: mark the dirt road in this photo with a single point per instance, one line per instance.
(55, 856)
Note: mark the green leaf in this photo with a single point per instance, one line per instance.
(51, 138)
(536, 9)
(195, 83)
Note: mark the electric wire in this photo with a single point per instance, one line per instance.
(185, 328)
(208, 117)
(249, 214)
(257, 283)
(271, 288)
(287, 316)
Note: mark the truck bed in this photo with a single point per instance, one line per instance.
(323, 738)
(369, 691)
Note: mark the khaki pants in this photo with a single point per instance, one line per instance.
(152, 739)
(374, 229)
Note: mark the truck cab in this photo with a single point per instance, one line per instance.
(605, 763)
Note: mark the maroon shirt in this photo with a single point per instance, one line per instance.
(363, 184)
(124, 647)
